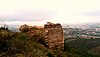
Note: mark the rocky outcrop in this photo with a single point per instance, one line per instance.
(24, 28)
(52, 33)
(35, 30)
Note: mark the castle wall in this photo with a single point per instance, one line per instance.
(54, 36)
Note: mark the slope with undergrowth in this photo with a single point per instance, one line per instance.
(95, 50)
(20, 44)
(17, 44)
(83, 47)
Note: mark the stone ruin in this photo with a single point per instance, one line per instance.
(53, 34)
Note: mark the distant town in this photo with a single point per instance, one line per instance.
(88, 31)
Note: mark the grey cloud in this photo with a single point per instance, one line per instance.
(28, 16)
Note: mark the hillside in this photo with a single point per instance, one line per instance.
(17, 44)
(81, 45)
(95, 50)
(20, 44)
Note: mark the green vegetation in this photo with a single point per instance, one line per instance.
(19, 44)
(95, 50)
(82, 47)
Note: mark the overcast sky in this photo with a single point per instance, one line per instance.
(40, 11)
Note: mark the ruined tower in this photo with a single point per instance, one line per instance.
(54, 35)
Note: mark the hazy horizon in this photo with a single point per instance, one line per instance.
(57, 11)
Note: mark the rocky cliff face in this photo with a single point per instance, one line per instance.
(53, 34)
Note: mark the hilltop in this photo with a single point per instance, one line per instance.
(19, 44)
(24, 44)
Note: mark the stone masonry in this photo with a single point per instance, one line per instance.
(54, 35)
